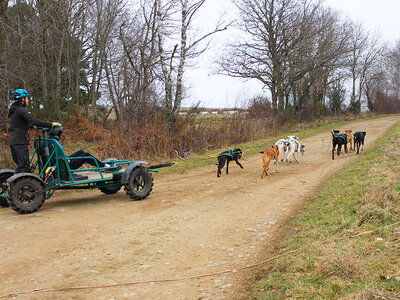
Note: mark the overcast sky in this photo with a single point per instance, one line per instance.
(219, 91)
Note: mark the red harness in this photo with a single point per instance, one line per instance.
(270, 149)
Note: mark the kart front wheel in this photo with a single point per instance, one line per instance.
(112, 189)
(23, 195)
(140, 184)
(3, 187)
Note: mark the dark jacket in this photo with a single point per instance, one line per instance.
(21, 121)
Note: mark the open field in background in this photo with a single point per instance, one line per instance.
(364, 197)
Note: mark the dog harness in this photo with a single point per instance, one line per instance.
(285, 141)
(272, 149)
(298, 144)
(342, 136)
(230, 153)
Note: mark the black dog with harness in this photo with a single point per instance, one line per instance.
(359, 137)
(227, 156)
(339, 140)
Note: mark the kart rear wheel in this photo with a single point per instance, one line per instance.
(21, 197)
(3, 187)
(112, 189)
(140, 184)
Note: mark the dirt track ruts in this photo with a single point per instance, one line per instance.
(191, 224)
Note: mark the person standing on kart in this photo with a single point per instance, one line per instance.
(21, 121)
(82, 157)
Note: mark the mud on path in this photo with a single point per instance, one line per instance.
(191, 224)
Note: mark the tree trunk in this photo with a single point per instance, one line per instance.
(3, 66)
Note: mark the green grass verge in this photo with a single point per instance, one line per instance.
(364, 197)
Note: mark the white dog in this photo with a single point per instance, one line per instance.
(282, 145)
(294, 147)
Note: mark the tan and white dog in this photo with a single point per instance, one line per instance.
(267, 156)
(281, 145)
(349, 138)
(294, 147)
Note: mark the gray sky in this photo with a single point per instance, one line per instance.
(219, 91)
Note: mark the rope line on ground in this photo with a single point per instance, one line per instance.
(323, 145)
(42, 290)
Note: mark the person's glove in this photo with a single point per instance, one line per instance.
(56, 124)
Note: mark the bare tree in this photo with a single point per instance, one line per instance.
(140, 60)
(318, 61)
(336, 94)
(364, 52)
(393, 67)
(102, 23)
(284, 41)
(174, 60)
(3, 64)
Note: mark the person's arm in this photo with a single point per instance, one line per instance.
(33, 120)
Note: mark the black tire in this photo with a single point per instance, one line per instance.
(140, 184)
(112, 189)
(3, 202)
(3, 187)
(20, 198)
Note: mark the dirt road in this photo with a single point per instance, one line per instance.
(191, 224)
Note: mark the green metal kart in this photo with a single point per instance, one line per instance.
(26, 192)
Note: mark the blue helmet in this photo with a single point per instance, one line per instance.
(20, 93)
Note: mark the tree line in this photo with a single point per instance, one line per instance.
(312, 59)
(132, 56)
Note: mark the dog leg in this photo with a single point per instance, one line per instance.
(237, 161)
(266, 165)
(295, 158)
(289, 155)
(221, 164)
(227, 165)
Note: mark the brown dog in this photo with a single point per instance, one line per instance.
(349, 138)
(267, 156)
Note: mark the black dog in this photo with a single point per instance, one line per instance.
(359, 137)
(227, 156)
(338, 139)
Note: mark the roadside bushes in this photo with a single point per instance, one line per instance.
(153, 140)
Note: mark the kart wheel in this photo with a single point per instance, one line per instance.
(20, 196)
(140, 184)
(111, 189)
(3, 187)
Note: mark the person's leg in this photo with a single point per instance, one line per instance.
(20, 155)
(86, 158)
